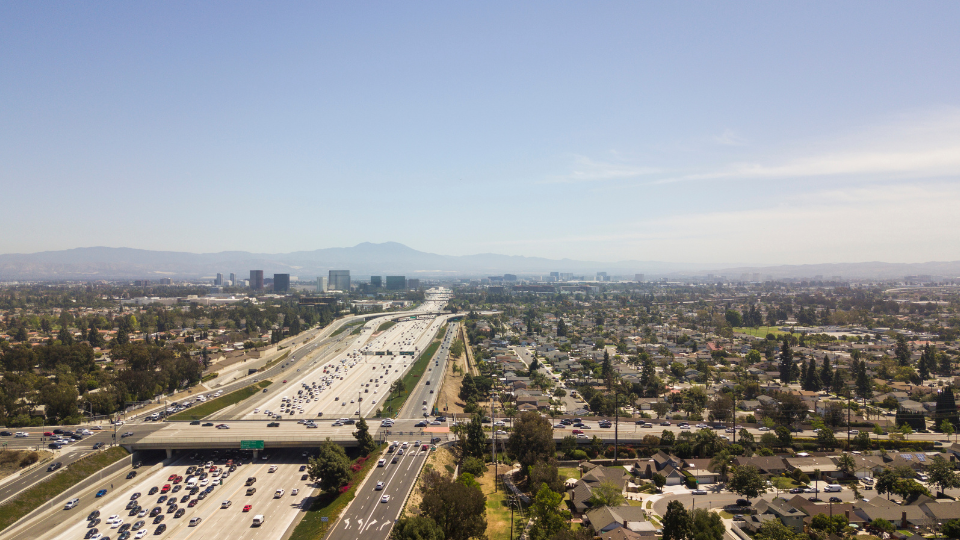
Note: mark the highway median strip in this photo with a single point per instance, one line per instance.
(51, 488)
(203, 410)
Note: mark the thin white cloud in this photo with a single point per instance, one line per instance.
(730, 138)
(589, 170)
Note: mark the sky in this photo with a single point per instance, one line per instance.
(707, 132)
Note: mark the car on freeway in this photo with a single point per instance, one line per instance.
(71, 504)
(160, 528)
(180, 513)
(153, 490)
(379, 486)
(131, 474)
(101, 493)
(385, 498)
(54, 466)
(140, 534)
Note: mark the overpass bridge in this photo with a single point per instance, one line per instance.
(182, 436)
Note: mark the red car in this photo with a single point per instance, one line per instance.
(166, 488)
(284, 380)
(48, 434)
(193, 503)
(213, 468)
(247, 507)
(178, 479)
(577, 431)
(172, 477)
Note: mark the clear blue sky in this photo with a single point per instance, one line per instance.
(749, 132)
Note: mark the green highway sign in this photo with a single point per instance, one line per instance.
(251, 445)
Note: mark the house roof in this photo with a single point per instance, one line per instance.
(601, 518)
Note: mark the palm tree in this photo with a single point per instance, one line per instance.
(721, 464)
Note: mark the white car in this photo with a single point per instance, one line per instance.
(22, 434)
(385, 498)
(140, 534)
(142, 513)
(278, 494)
(71, 503)
(294, 492)
(116, 524)
(204, 482)
(113, 518)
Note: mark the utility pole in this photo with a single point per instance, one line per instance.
(493, 439)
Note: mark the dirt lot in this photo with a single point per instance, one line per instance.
(451, 386)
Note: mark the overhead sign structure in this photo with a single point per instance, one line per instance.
(251, 445)
(406, 353)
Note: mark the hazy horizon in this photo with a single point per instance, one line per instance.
(747, 134)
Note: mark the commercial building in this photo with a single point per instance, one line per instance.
(339, 280)
(413, 284)
(376, 281)
(281, 282)
(509, 277)
(256, 280)
(638, 278)
(321, 284)
(396, 283)
(233, 279)
(219, 281)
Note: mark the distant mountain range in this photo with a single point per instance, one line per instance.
(391, 258)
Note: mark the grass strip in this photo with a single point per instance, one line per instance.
(395, 400)
(357, 331)
(330, 505)
(209, 377)
(49, 489)
(760, 331)
(386, 325)
(206, 409)
(344, 328)
(271, 363)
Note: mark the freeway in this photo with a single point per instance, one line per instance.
(369, 516)
(423, 397)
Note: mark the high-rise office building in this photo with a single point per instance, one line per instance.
(233, 279)
(376, 281)
(281, 282)
(256, 280)
(340, 280)
(321, 284)
(509, 277)
(219, 281)
(396, 283)
(638, 278)
(413, 284)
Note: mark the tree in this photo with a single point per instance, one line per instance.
(784, 437)
(548, 518)
(331, 467)
(459, 509)
(65, 337)
(747, 481)
(846, 463)
(661, 408)
(475, 441)
(786, 362)
(902, 351)
(545, 473)
(721, 464)
(416, 528)
(676, 521)
(606, 494)
(883, 525)
(826, 439)
(781, 483)
(531, 440)
(363, 437)
(659, 480)
(947, 428)
(942, 474)
(667, 438)
(830, 524)
(774, 529)
(951, 529)
(886, 480)
(705, 525)
(474, 466)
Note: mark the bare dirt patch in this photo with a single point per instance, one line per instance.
(13, 461)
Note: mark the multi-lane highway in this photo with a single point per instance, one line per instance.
(370, 516)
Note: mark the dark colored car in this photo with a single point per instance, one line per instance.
(195, 423)
(208, 424)
(158, 519)
(743, 502)
(153, 490)
(180, 513)
(161, 499)
(835, 499)
(131, 474)
(160, 529)
(94, 514)
(54, 466)
(91, 532)
(303, 468)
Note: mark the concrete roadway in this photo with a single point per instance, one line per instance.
(216, 522)
(333, 401)
(423, 396)
(367, 516)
